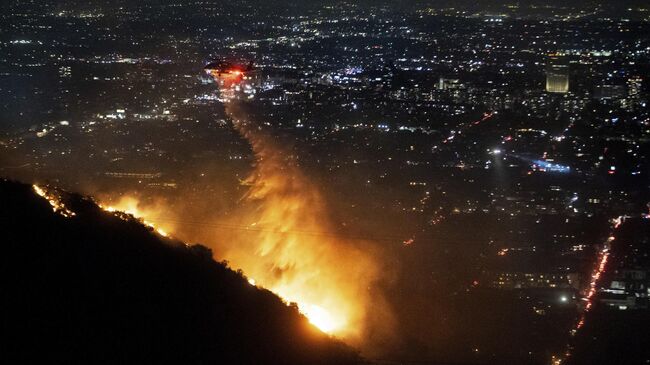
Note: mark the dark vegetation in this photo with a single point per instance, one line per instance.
(97, 289)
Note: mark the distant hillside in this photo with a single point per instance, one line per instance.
(96, 289)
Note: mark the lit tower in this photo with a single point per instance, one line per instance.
(557, 75)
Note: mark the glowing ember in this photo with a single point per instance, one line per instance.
(55, 202)
(131, 207)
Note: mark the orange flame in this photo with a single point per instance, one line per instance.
(289, 250)
(146, 213)
(289, 247)
(55, 201)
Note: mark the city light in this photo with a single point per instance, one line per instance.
(409, 178)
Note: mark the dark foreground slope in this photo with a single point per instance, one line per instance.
(94, 289)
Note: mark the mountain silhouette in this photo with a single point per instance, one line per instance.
(96, 288)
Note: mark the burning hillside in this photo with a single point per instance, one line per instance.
(99, 287)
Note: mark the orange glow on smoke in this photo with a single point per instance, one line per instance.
(145, 213)
(288, 248)
(283, 240)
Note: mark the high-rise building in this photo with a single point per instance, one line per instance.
(557, 75)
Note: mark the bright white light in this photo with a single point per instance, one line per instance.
(320, 318)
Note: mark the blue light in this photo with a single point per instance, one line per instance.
(551, 167)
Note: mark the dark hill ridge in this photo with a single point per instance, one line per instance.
(96, 289)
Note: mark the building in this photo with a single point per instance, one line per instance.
(610, 91)
(628, 289)
(557, 75)
(527, 280)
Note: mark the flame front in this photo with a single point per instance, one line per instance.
(146, 214)
(283, 242)
(55, 201)
(281, 237)
(289, 246)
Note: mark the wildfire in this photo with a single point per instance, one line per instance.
(130, 206)
(329, 321)
(290, 252)
(321, 318)
(325, 280)
(57, 205)
(280, 260)
(288, 246)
